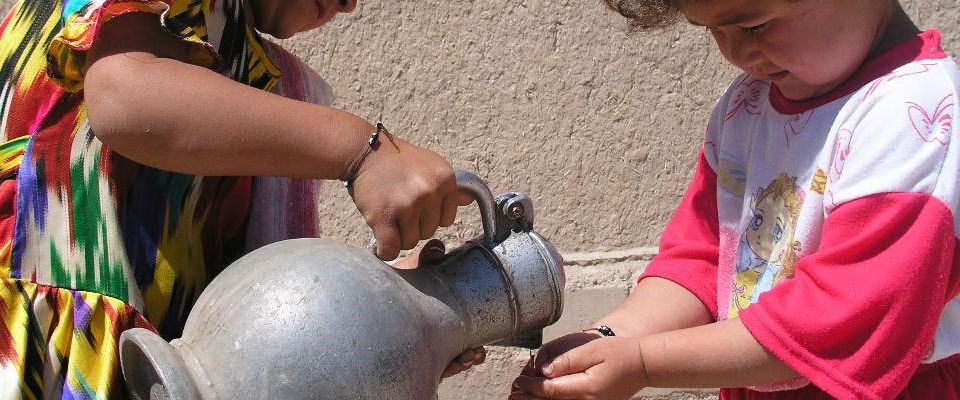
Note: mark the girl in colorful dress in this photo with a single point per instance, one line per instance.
(131, 133)
(815, 254)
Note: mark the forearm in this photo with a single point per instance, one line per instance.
(135, 110)
(722, 354)
(657, 305)
(682, 346)
(147, 102)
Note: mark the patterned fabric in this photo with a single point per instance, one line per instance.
(285, 208)
(92, 243)
(50, 334)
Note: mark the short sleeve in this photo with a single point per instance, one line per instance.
(83, 20)
(861, 312)
(863, 309)
(893, 138)
(689, 246)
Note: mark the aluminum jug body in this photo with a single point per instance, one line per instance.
(317, 319)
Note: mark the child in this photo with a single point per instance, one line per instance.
(815, 253)
(131, 128)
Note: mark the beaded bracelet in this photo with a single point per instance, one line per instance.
(603, 329)
(372, 144)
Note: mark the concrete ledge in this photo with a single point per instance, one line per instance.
(610, 257)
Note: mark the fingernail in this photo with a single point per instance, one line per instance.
(435, 246)
(435, 243)
(548, 368)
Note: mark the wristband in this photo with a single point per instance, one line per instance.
(603, 329)
(372, 144)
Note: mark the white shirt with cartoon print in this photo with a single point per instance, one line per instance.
(829, 227)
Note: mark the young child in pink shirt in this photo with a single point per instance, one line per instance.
(815, 253)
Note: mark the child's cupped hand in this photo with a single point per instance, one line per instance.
(583, 366)
(404, 193)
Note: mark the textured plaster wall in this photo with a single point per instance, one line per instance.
(550, 98)
(553, 99)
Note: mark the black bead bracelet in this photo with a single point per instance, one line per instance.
(603, 329)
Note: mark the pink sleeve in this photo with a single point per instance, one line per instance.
(689, 245)
(861, 312)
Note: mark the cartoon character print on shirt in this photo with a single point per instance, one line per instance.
(795, 124)
(841, 150)
(902, 72)
(933, 125)
(748, 98)
(731, 176)
(767, 251)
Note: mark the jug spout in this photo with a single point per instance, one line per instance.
(508, 291)
(158, 369)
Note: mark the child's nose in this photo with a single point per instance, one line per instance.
(745, 53)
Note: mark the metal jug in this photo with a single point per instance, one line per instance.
(317, 319)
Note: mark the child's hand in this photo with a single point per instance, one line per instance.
(547, 352)
(554, 348)
(607, 368)
(404, 192)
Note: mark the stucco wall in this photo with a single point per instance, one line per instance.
(550, 98)
(553, 99)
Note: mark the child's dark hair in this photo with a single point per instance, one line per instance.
(646, 14)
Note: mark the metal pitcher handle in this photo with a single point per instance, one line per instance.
(509, 211)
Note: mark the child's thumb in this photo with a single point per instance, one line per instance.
(571, 362)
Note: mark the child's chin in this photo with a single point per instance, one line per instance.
(798, 94)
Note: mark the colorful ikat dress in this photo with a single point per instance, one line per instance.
(91, 243)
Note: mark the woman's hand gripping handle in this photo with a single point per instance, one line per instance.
(404, 192)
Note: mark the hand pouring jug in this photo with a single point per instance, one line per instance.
(316, 319)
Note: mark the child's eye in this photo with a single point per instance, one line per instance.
(755, 28)
(757, 222)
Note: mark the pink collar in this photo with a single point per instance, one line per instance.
(925, 46)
